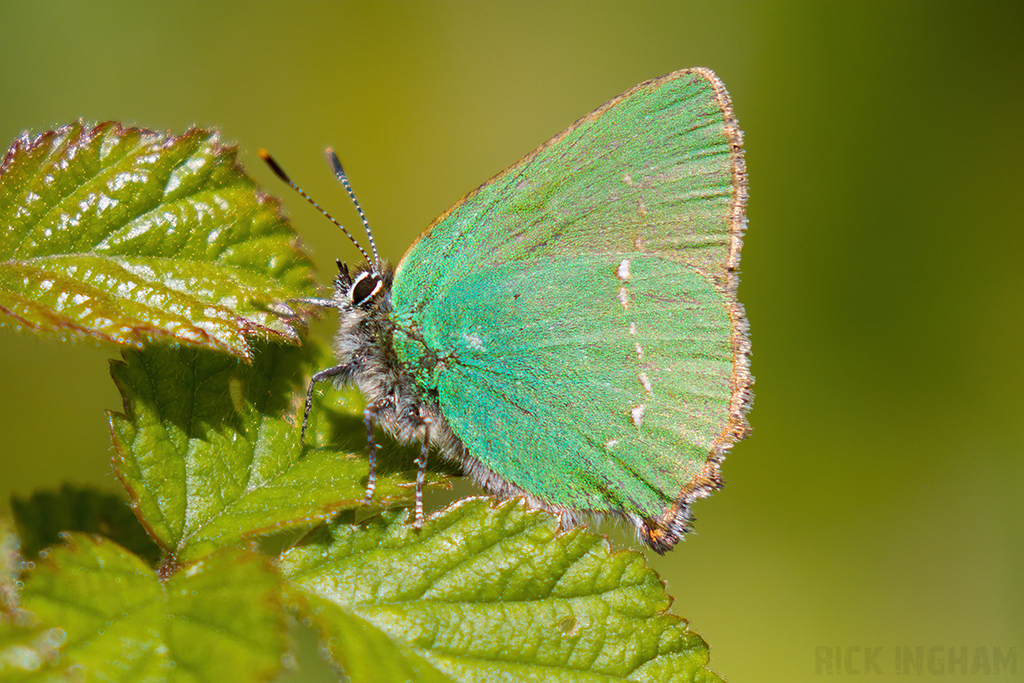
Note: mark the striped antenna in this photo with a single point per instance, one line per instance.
(340, 173)
(279, 172)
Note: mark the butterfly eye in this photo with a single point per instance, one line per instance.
(364, 288)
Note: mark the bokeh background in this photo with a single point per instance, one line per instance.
(880, 500)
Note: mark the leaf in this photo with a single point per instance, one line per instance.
(490, 593)
(219, 619)
(365, 652)
(129, 235)
(28, 650)
(10, 568)
(33, 653)
(45, 514)
(209, 450)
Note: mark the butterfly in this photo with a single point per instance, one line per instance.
(569, 331)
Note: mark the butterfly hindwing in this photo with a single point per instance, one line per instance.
(588, 387)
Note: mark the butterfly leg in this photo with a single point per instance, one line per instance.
(421, 473)
(318, 377)
(369, 416)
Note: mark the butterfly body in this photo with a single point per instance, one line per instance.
(364, 349)
(569, 331)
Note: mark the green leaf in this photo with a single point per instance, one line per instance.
(31, 652)
(28, 650)
(10, 566)
(487, 593)
(364, 651)
(209, 450)
(129, 235)
(220, 619)
(45, 514)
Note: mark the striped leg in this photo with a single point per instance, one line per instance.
(421, 473)
(369, 414)
(318, 377)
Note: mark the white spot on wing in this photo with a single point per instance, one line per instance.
(637, 415)
(474, 341)
(632, 328)
(623, 297)
(623, 270)
(639, 351)
(611, 443)
(646, 382)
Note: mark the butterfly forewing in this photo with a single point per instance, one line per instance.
(654, 170)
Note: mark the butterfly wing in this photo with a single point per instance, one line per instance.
(576, 315)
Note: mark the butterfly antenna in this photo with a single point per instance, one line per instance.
(340, 173)
(279, 172)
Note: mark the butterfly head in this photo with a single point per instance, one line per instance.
(366, 288)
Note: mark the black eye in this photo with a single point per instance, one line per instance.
(363, 289)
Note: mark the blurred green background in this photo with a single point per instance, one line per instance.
(880, 500)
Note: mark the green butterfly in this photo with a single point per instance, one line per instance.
(569, 331)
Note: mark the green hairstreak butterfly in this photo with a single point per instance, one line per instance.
(569, 331)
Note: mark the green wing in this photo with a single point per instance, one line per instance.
(583, 305)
